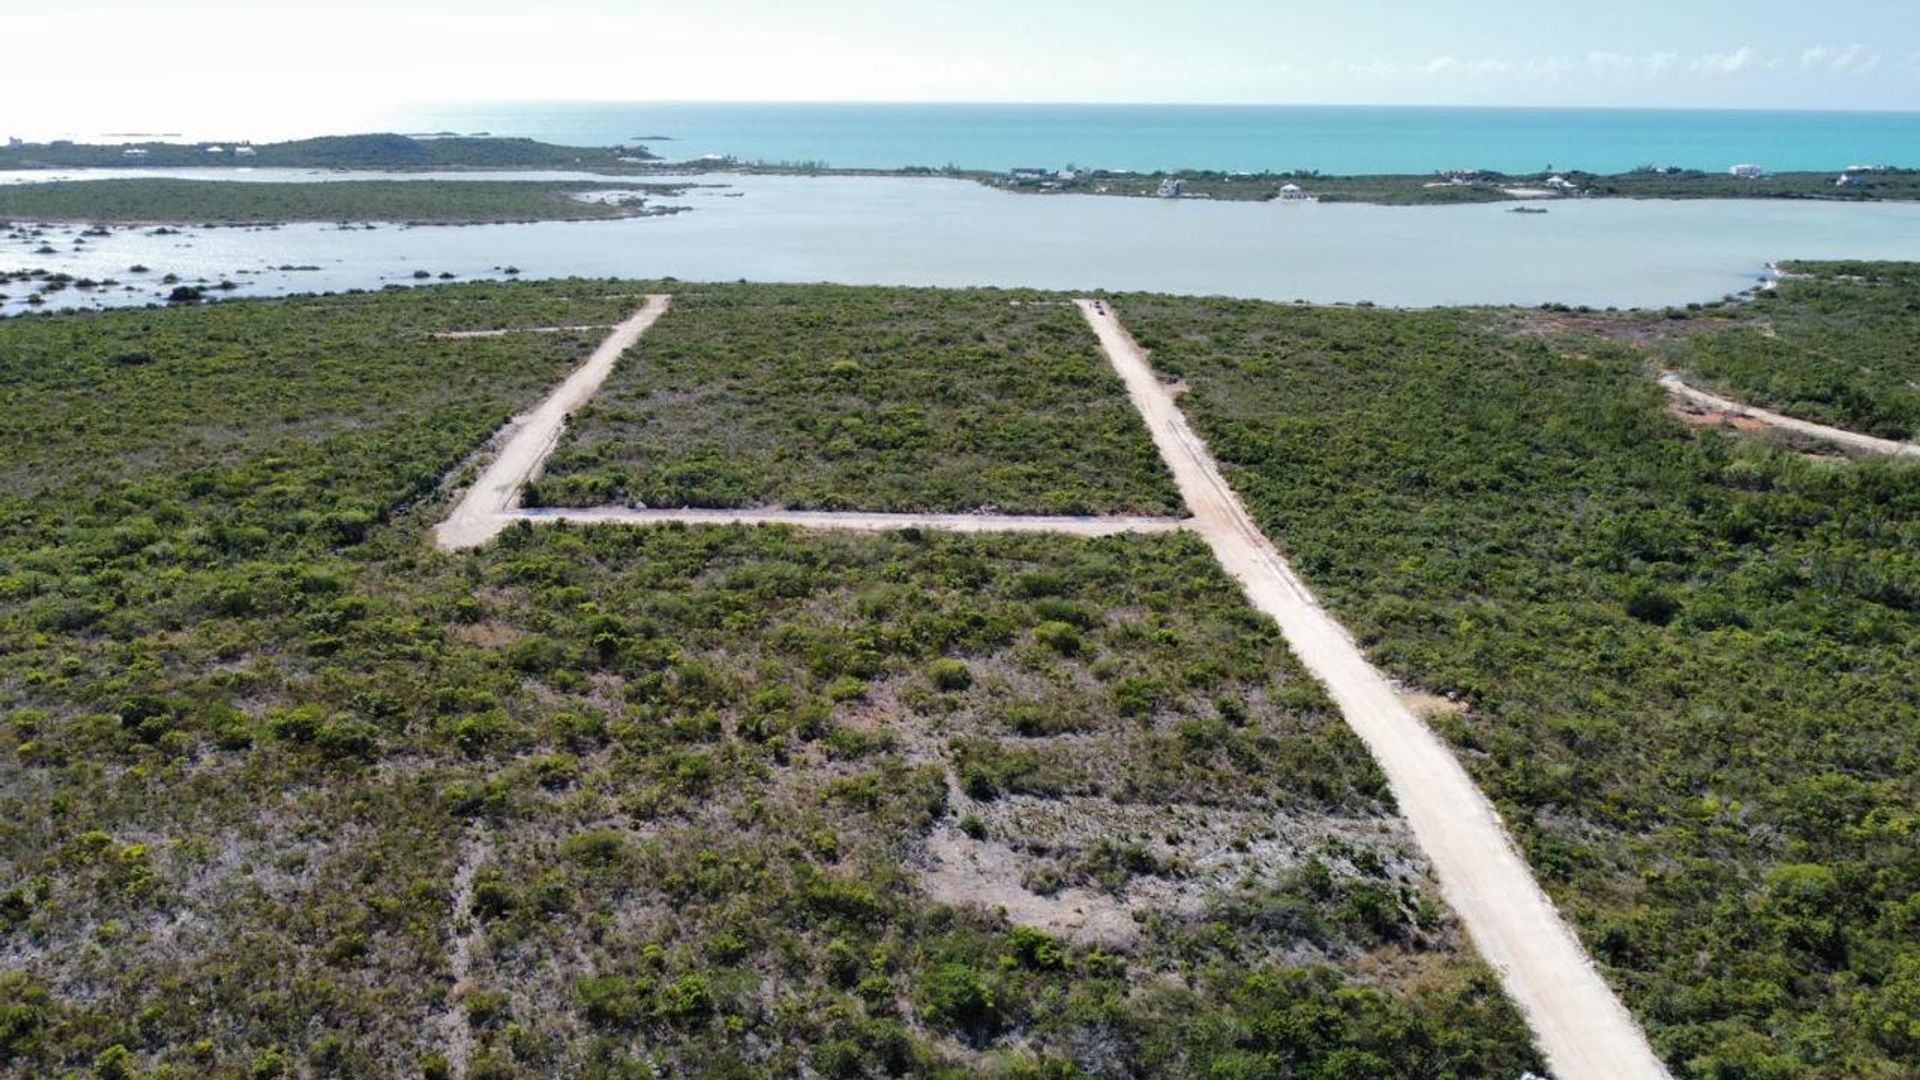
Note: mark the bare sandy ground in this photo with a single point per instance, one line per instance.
(1581, 1026)
(529, 439)
(1838, 436)
(857, 521)
(464, 930)
(455, 335)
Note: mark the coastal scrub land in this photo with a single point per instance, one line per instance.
(374, 151)
(1683, 660)
(1833, 343)
(285, 791)
(154, 201)
(834, 398)
(1478, 186)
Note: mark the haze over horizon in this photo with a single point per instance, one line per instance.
(275, 67)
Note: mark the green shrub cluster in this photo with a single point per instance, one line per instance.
(822, 397)
(1690, 658)
(1833, 343)
(147, 200)
(257, 733)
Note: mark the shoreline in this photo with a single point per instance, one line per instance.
(402, 155)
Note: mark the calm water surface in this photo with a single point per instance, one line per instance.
(874, 230)
(1330, 138)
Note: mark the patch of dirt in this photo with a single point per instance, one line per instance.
(1700, 416)
(1638, 330)
(963, 872)
(488, 635)
(1427, 706)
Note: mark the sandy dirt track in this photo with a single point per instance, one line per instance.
(530, 438)
(1580, 1025)
(1838, 436)
(857, 521)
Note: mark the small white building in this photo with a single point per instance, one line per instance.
(1172, 188)
(244, 151)
(1747, 172)
(1293, 193)
(133, 152)
(216, 149)
(1562, 184)
(1847, 180)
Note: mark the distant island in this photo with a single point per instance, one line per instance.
(390, 152)
(169, 201)
(375, 151)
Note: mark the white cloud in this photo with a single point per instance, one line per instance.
(1855, 59)
(1617, 63)
(1738, 60)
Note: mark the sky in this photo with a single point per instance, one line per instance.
(99, 65)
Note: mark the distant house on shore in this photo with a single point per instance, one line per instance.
(1293, 193)
(1562, 184)
(216, 149)
(1172, 188)
(244, 151)
(1847, 179)
(133, 152)
(1029, 175)
(1747, 172)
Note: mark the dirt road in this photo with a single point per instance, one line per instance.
(1838, 436)
(529, 439)
(859, 521)
(1581, 1026)
(455, 335)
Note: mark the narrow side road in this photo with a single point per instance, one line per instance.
(1580, 1025)
(456, 335)
(530, 439)
(858, 521)
(1839, 436)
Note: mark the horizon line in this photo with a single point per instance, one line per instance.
(944, 102)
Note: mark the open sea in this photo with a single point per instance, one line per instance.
(1250, 138)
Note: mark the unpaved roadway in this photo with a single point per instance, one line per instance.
(455, 335)
(530, 438)
(859, 521)
(1838, 436)
(1580, 1025)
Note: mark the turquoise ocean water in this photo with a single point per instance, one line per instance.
(1331, 139)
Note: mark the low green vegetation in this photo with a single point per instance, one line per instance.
(1481, 186)
(377, 151)
(1690, 658)
(1834, 343)
(427, 202)
(826, 397)
(671, 801)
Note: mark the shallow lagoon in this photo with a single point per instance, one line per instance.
(885, 230)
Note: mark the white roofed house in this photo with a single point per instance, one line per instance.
(1172, 188)
(1293, 193)
(1747, 172)
(244, 151)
